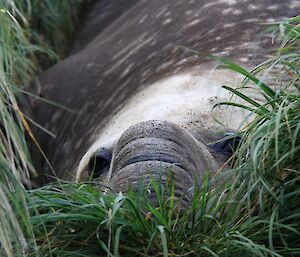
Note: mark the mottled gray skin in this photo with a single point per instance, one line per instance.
(121, 51)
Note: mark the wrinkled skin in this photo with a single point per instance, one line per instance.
(127, 67)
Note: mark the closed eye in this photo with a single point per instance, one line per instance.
(99, 163)
(227, 145)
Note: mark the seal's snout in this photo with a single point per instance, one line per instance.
(149, 150)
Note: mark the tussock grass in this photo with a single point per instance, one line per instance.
(269, 156)
(255, 214)
(30, 36)
(81, 221)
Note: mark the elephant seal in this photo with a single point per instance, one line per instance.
(130, 75)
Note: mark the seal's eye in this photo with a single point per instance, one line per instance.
(99, 163)
(228, 144)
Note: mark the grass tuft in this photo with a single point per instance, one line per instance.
(31, 36)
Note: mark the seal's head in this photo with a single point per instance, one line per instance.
(167, 126)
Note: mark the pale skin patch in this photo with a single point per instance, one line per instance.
(227, 11)
(253, 7)
(167, 21)
(294, 4)
(127, 70)
(126, 57)
(229, 2)
(143, 18)
(194, 22)
(161, 12)
(229, 25)
(273, 7)
(237, 12)
(172, 99)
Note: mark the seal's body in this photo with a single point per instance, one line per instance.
(129, 66)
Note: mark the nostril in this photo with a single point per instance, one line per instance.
(99, 163)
